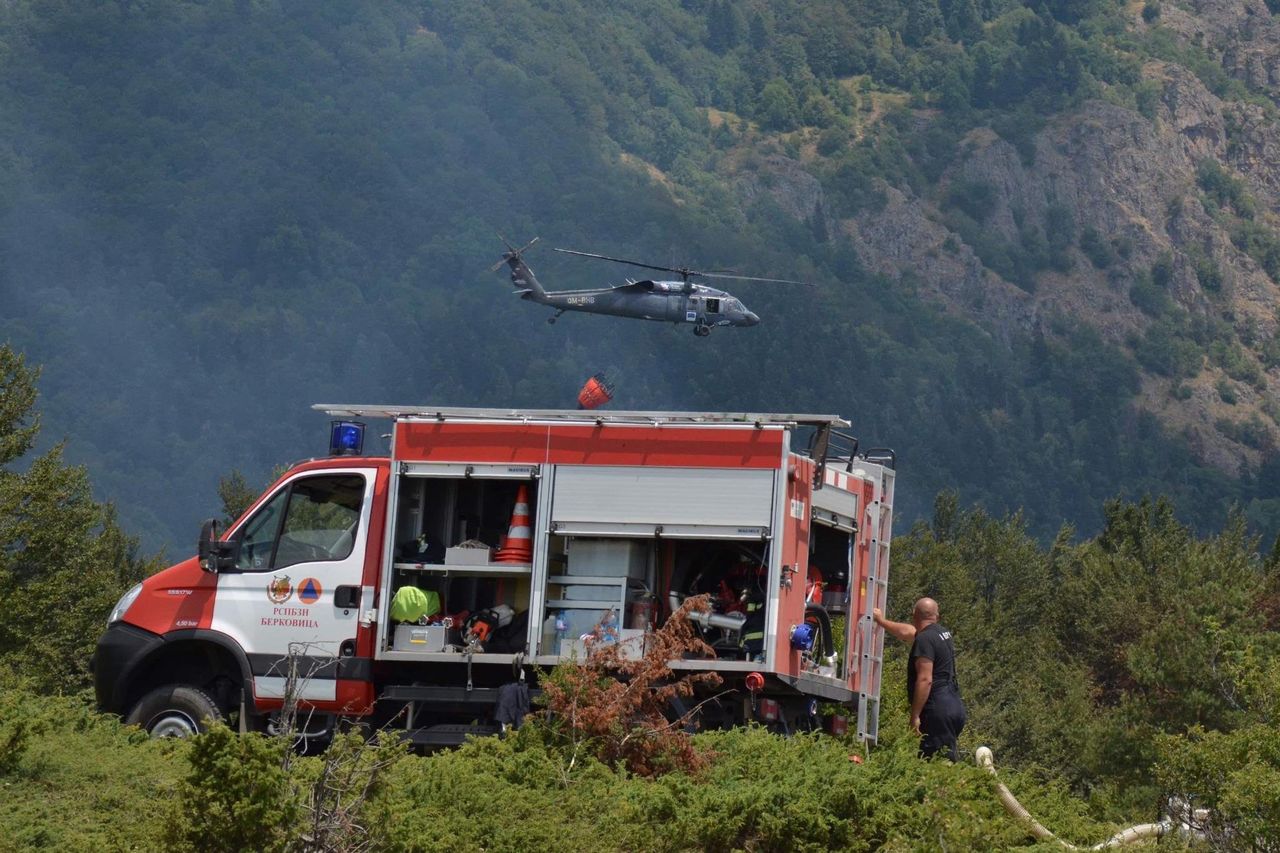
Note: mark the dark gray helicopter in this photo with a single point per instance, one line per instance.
(681, 301)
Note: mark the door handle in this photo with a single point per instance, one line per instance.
(346, 597)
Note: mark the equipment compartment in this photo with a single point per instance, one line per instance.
(463, 534)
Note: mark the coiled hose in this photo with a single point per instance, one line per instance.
(1139, 832)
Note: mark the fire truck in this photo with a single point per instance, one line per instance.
(491, 545)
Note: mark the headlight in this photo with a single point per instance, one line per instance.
(126, 600)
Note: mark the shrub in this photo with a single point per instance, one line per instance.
(1095, 248)
(1164, 350)
(1259, 243)
(1150, 299)
(618, 708)
(977, 198)
(236, 795)
(1223, 189)
(1235, 775)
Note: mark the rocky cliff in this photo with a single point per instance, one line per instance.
(1153, 219)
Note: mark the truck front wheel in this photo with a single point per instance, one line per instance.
(175, 710)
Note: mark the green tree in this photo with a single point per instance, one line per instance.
(778, 109)
(63, 559)
(923, 21)
(236, 496)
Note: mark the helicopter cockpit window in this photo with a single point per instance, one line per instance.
(713, 305)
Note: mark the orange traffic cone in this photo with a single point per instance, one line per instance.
(518, 545)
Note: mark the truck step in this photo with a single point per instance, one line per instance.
(450, 734)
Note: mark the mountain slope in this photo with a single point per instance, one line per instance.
(217, 214)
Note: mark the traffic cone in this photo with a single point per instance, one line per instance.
(518, 545)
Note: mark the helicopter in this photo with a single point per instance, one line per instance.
(683, 301)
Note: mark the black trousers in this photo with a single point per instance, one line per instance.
(941, 721)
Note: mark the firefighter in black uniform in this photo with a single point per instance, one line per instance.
(937, 713)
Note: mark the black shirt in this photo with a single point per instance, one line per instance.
(934, 643)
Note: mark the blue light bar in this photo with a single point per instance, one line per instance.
(346, 438)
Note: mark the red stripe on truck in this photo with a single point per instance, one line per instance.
(683, 447)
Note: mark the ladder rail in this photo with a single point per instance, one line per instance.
(445, 413)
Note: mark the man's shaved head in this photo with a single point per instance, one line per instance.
(926, 610)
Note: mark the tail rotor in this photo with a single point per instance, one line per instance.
(512, 253)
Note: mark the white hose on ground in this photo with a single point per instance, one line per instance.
(1139, 832)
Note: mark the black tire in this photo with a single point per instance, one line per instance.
(175, 710)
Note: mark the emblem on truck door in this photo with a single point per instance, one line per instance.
(279, 590)
(309, 590)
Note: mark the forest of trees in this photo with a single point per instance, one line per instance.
(1111, 676)
(216, 214)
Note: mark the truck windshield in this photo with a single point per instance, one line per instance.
(321, 515)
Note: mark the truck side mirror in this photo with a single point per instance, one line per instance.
(214, 554)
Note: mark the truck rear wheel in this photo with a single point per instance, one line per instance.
(175, 710)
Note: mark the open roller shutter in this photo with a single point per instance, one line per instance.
(672, 502)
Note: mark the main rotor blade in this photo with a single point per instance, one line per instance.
(625, 261)
(685, 272)
(752, 278)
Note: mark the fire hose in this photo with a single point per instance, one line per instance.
(1138, 832)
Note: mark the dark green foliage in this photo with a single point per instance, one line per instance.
(81, 781)
(1104, 674)
(1150, 297)
(1074, 659)
(1164, 349)
(1251, 432)
(63, 559)
(1162, 43)
(236, 496)
(1260, 243)
(236, 796)
(778, 109)
(221, 213)
(1162, 271)
(976, 198)
(1096, 248)
(1237, 363)
(1235, 775)
(1146, 96)
(1206, 268)
(1224, 189)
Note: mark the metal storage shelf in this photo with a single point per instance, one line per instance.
(494, 569)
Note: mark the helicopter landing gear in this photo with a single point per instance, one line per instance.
(551, 321)
(701, 331)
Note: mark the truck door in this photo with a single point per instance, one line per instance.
(300, 545)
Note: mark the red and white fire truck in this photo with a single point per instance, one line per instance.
(520, 539)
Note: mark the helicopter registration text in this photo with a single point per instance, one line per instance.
(581, 300)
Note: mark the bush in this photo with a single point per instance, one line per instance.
(1222, 188)
(1236, 776)
(1095, 248)
(76, 780)
(977, 198)
(236, 795)
(1150, 299)
(1259, 243)
(616, 708)
(1206, 269)
(1165, 350)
